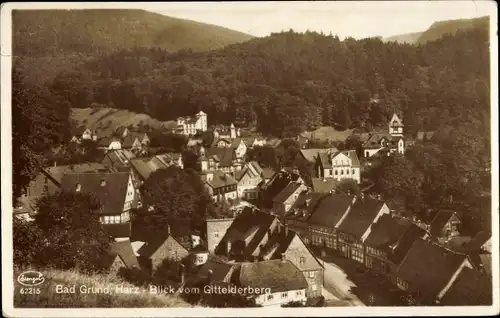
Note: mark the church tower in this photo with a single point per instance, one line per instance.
(201, 121)
(396, 126)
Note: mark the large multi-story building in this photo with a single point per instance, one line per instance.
(189, 126)
(339, 166)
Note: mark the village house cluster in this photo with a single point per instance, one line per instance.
(281, 224)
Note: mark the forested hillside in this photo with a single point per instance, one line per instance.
(289, 82)
(52, 32)
(49, 41)
(440, 28)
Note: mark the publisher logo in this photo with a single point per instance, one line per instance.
(30, 278)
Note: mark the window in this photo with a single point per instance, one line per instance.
(314, 287)
(298, 292)
(216, 234)
(353, 171)
(311, 274)
(347, 171)
(284, 295)
(199, 258)
(302, 260)
(270, 296)
(336, 172)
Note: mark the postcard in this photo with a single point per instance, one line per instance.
(315, 158)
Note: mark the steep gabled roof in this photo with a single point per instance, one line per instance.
(249, 221)
(361, 216)
(154, 242)
(396, 121)
(111, 194)
(124, 250)
(106, 141)
(225, 156)
(325, 160)
(428, 267)
(311, 154)
(278, 275)
(330, 209)
(284, 194)
(471, 288)
(386, 232)
(405, 242)
(440, 220)
(221, 179)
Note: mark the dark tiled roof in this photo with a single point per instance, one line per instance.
(155, 242)
(361, 216)
(440, 220)
(255, 167)
(278, 275)
(219, 270)
(325, 160)
(323, 185)
(58, 172)
(287, 192)
(249, 221)
(111, 195)
(225, 156)
(478, 241)
(428, 267)
(221, 179)
(311, 154)
(375, 141)
(124, 250)
(279, 182)
(471, 288)
(118, 230)
(386, 232)
(306, 201)
(119, 158)
(405, 242)
(129, 140)
(330, 209)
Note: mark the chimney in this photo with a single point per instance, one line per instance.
(286, 230)
(283, 257)
(349, 192)
(103, 183)
(308, 201)
(55, 163)
(168, 229)
(183, 270)
(78, 187)
(379, 197)
(362, 195)
(210, 273)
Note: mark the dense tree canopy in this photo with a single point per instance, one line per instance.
(177, 198)
(40, 120)
(73, 236)
(288, 82)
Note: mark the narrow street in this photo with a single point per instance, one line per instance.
(337, 283)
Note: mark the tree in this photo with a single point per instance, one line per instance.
(26, 242)
(400, 178)
(178, 199)
(347, 186)
(74, 237)
(40, 121)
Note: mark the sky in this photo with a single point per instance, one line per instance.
(355, 19)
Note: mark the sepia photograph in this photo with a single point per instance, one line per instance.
(309, 158)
